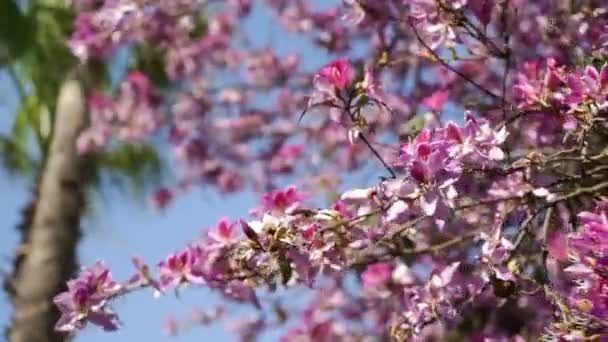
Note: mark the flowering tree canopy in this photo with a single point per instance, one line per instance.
(484, 120)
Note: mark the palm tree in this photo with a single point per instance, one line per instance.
(42, 147)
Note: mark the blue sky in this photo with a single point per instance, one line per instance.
(123, 227)
(120, 228)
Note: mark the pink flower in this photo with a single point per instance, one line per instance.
(539, 87)
(182, 267)
(476, 141)
(442, 278)
(131, 116)
(161, 198)
(337, 74)
(422, 157)
(354, 12)
(411, 150)
(594, 236)
(588, 249)
(143, 276)
(496, 250)
(376, 275)
(86, 300)
(170, 326)
(371, 84)
(591, 85)
(224, 233)
(557, 245)
(302, 266)
(436, 101)
(281, 201)
(241, 292)
(285, 159)
(482, 9)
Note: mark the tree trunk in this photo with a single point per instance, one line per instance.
(51, 227)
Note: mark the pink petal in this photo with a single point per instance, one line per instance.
(604, 77)
(592, 73)
(436, 101)
(496, 153)
(428, 203)
(557, 245)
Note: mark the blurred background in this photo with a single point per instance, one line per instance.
(118, 221)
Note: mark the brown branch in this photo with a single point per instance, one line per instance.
(524, 228)
(471, 29)
(361, 135)
(448, 66)
(377, 154)
(590, 190)
(433, 249)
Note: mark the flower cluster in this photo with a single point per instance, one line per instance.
(589, 250)
(86, 300)
(291, 244)
(131, 117)
(436, 158)
(482, 229)
(554, 89)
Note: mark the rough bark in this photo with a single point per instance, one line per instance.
(51, 226)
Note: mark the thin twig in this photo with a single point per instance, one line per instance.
(507, 55)
(582, 191)
(16, 82)
(507, 58)
(486, 202)
(524, 228)
(361, 135)
(375, 152)
(360, 217)
(433, 249)
(448, 66)
(443, 245)
(468, 26)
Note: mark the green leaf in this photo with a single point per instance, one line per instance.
(150, 60)
(134, 167)
(48, 59)
(15, 157)
(412, 127)
(201, 27)
(33, 120)
(332, 197)
(15, 32)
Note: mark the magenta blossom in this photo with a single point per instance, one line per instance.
(86, 300)
(224, 233)
(436, 101)
(589, 250)
(476, 141)
(498, 191)
(376, 275)
(143, 277)
(285, 159)
(422, 157)
(131, 116)
(591, 86)
(239, 291)
(183, 267)
(280, 201)
(161, 198)
(170, 326)
(337, 74)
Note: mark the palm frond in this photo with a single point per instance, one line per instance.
(15, 158)
(131, 167)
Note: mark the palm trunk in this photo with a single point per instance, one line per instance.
(51, 226)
